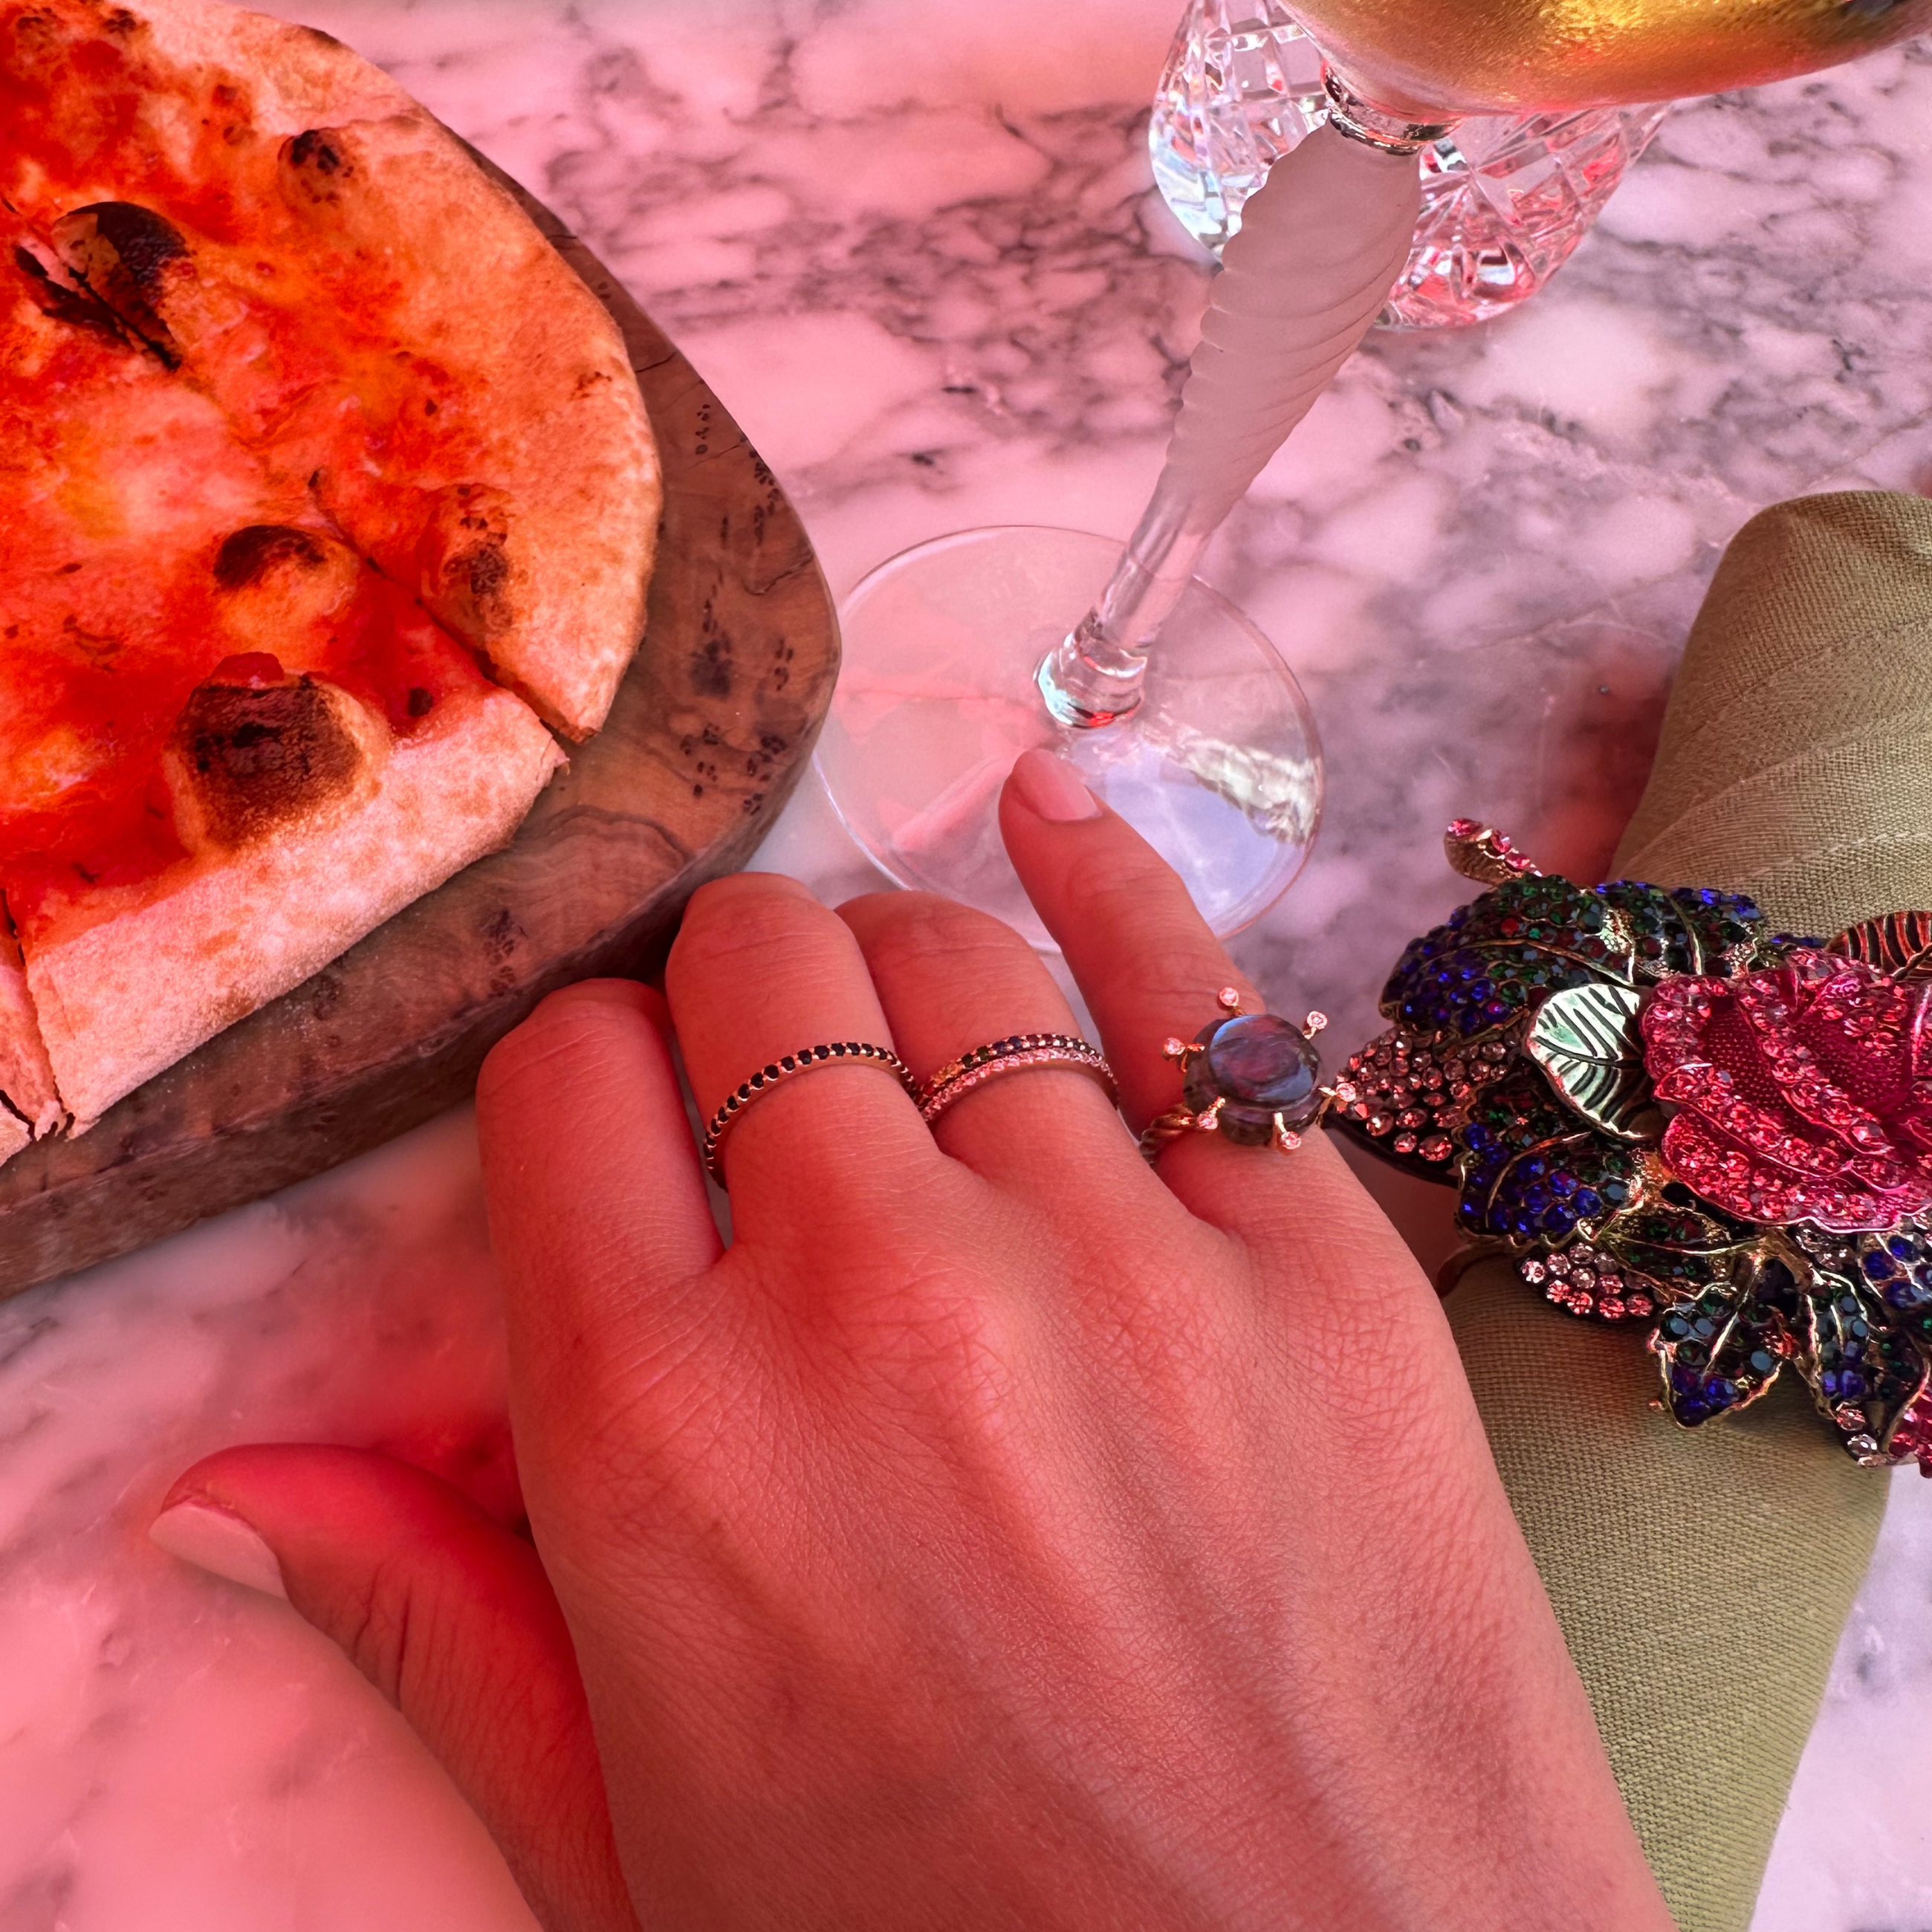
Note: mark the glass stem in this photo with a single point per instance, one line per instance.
(1320, 243)
(1094, 675)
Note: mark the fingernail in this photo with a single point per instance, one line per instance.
(1051, 788)
(218, 1541)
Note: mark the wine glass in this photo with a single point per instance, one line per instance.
(1505, 198)
(963, 651)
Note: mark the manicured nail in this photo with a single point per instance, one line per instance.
(216, 1539)
(1051, 788)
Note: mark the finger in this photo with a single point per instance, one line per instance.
(449, 1616)
(1150, 970)
(595, 1197)
(1145, 961)
(950, 979)
(761, 971)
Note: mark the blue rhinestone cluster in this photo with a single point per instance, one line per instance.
(1899, 1267)
(1496, 958)
(1531, 1170)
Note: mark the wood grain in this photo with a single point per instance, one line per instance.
(710, 731)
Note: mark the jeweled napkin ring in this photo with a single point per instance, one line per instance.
(1253, 1078)
(832, 1053)
(1013, 1055)
(1663, 1112)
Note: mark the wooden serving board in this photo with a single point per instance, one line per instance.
(712, 727)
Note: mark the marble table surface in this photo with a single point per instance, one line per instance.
(914, 246)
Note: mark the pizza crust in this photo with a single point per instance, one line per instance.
(32, 1102)
(538, 552)
(299, 75)
(540, 558)
(122, 1000)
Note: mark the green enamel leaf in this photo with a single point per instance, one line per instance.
(1586, 1041)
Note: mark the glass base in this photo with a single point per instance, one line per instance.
(1218, 769)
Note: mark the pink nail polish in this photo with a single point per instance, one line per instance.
(218, 1540)
(1052, 789)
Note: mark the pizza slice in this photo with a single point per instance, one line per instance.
(325, 482)
(229, 744)
(272, 217)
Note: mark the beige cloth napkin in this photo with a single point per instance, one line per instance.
(1702, 1578)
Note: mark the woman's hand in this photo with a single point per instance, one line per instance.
(999, 1532)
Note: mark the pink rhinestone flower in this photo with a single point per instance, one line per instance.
(1800, 1094)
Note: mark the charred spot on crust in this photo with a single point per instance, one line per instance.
(312, 149)
(261, 757)
(122, 253)
(470, 576)
(489, 570)
(143, 243)
(315, 165)
(37, 29)
(251, 552)
(479, 577)
(273, 583)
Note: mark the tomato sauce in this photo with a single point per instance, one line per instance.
(110, 617)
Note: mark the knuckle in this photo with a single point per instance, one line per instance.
(371, 1626)
(729, 895)
(770, 925)
(924, 927)
(928, 1327)
(581, 1021)
(1163, 1313)
(1186, 986)
(646, 1447)
(1131, 881)
(867, 910)
(635, 1422)
(1151, 931)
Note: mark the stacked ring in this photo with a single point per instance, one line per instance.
(829, 1054)
(1017, 1052)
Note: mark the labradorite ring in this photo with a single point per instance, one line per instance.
(1253, 1078)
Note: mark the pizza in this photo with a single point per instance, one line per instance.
(329, 503)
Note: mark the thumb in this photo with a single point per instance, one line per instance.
(451, 1617)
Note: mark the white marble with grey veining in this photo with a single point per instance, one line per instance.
(913, 247)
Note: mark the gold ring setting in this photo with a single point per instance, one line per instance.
(833, 1053)
(1254, 1078)
(1013, 1055)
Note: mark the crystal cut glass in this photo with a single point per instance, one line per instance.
(1505, 199)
